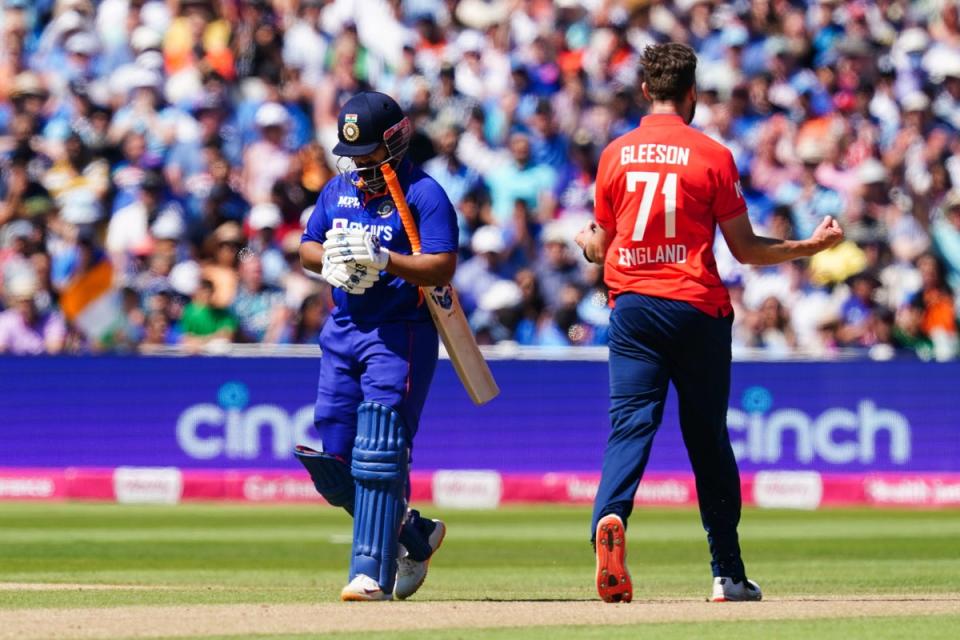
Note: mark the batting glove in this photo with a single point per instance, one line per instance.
(352, 278)
(349, 246)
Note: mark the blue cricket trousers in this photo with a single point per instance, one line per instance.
(391, 363)
(655, 341)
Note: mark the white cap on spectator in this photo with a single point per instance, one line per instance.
(951, 200)
(265, 215)
(151, 60)
(942, 64)
(66, 22)
(184, 86)
(871, 171)
(915, 101)
(169, 224)
(22, 284)
(13, 230)
(144, 79)
(810, 150)
(488, 239)
(79, 206)
(554, 233)
(481, 14)
(913, 40)
(271, 114)
(144, 38)
(185, 277)
(503, 294)
(471, 40)
(82, 43)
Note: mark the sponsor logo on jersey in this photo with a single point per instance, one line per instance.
(353, 202)
(383, 232)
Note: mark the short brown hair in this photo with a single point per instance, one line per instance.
(669, 70)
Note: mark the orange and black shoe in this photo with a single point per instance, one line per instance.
(613, 578)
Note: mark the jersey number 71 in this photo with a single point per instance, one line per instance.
(651, 180)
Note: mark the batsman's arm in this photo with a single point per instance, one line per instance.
(311, 256)
(749, 248)
(424, 270)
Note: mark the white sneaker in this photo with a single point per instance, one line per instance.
(363, 589)
(726, 590)
(411, 573)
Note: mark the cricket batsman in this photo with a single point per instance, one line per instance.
(662, 190)
(379, 345)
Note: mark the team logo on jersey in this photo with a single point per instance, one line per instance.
(739, 188)
(351, 131)
(353, 202)
(385, 210)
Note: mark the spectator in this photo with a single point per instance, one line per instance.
(936, 300)
(220, 266)
(946, 237)
(522, 180)
(203, 323)
(837, 108)
(309, 320)
(266, 161)
(264, 220)
(258, 306)
(558, 267)
(857, 312)
(24, 330)
(488, 266)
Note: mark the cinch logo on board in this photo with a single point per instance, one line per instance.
(862, 434)
(231, 429)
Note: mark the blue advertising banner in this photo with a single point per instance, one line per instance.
(247, 413)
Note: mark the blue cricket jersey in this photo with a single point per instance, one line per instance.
(340, 205)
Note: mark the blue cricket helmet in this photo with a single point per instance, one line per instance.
(367, 120)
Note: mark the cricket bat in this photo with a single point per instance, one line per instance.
(447, 314)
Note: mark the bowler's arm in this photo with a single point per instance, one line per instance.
(749, 248)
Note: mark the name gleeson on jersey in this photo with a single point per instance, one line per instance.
(382, 231)
(654, 153)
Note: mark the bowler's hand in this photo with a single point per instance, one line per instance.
(584, 235)
(828, 234)
(593, 240)
(348, 246)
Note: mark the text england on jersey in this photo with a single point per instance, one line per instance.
(664, 253)
(654, 154)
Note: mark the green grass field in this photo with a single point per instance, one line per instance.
(117, 557)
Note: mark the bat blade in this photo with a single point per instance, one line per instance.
(458, 339)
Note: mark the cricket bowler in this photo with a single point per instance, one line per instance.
(379, 345)
(662, 190)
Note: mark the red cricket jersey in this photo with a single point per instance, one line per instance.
(661, 190)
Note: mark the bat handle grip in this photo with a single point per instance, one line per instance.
(396, 192)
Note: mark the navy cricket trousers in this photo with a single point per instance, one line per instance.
(653, 342)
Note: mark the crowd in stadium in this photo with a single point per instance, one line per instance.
(185, 142)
